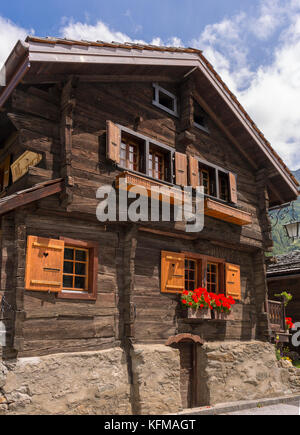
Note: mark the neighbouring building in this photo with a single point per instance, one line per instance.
(283, 274)
(90, 315)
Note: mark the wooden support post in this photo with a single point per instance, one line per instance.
(68, 103)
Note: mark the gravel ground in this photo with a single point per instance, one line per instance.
(292, 408)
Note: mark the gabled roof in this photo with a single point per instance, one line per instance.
(35, 55)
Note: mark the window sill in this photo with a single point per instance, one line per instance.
(76, 296)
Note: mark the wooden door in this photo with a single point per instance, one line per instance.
(187, 384)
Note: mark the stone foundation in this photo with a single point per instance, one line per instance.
(156, 379)
(75, 383)
(231, 371)
(98, 382)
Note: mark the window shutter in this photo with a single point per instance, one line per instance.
(233, 281)
(181, 169)
(113, 142)
(233, 188)
(44, 264)
(193, 172)
(6, 172)
(172, 272)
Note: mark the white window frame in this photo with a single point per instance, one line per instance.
(155, 102)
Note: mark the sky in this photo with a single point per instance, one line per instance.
(253, 44)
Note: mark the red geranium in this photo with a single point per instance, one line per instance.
(200, 298)
(289, 322)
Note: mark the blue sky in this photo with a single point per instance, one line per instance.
(253, 44)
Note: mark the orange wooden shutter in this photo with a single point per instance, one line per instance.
(181, 169)
(113, 142)
(6, 169)
(44, 264)
(172, 272)
(233, 281)
(193, 172)
(233, 188)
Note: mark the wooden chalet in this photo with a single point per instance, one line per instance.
(77, 115)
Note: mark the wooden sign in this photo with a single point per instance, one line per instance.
(21, 165)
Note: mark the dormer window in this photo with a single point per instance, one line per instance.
(200, 117)
(165, 100)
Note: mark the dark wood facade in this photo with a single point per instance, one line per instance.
(61, 112)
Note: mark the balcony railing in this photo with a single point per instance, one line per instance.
(276, 312)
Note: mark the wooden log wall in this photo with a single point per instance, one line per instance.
(159, 315)
(54, 325)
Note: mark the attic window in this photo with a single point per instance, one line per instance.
(164, 100)
(200, 117)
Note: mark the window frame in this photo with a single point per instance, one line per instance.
(217, 169)
(199, 126)
(155, 101)
(91, 293)
(202, 261)
(168, 152)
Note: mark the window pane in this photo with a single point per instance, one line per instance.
(80, 255)
(80, 269)
(166, 101)
(69, 254)
(68, 267)
(68, 281)
(79, 282)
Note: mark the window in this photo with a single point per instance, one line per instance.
(63, 266)
(223, 186)
(212, 277)
(190, 274)
(138, 153)
(130, 153)
(205, 181)
(80, 270)
(75, 274)
(156, 164)
(218, 182)
(164, 100)
(188, 271)
(200, 117)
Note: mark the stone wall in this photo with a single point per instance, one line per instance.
(74, 383)
(231, 371)
(98, 382)
(156, 379)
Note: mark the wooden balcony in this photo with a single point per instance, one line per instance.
(166, 191)
(172, 194)
(276, 313)
(226, 213)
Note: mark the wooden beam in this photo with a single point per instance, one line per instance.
(168, 234)
(26, 197)
(225, 130)
(100, 78)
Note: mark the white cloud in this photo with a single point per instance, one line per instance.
(98, 32)
(10, 33)
(102, 32)
(268, 88)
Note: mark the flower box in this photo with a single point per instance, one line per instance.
(203, 313)
(217, 315)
